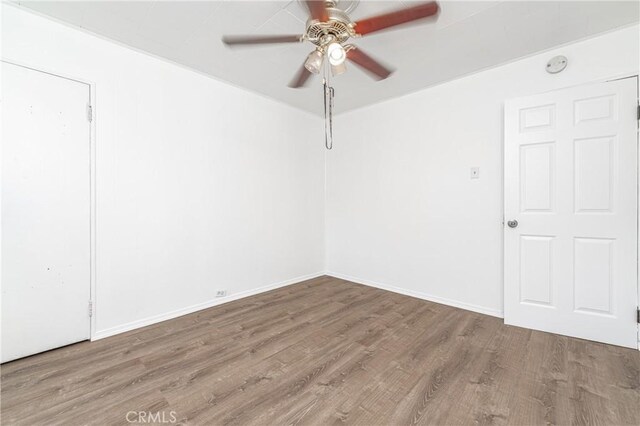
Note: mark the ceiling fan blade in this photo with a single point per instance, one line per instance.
(301, 78)
(238, 40)
(317, 10)
(399, 17)
(366, 62)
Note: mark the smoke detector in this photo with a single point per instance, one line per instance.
(557, 64)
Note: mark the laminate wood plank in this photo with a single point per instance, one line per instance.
(328, 352)
(360, 368)
(539, 395)
(486, 398)
(346, 335)
(345, 392)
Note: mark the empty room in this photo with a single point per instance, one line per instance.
(319, 212)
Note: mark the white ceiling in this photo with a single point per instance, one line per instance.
(469, 36)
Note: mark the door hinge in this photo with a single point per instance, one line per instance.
(89, 113)
(90, 308)
(638, 315)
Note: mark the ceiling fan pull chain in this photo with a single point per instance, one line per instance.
(331, 95)
(328, 119)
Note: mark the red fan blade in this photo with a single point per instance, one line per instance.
(380, 22)
(236, 40)
(301, 78)
(366, 62)
(318, 10)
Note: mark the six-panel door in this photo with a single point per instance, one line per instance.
(571, 183)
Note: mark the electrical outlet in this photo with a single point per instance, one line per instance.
(475, 173)
(221, 293)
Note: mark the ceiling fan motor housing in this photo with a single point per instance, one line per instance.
(337, 28)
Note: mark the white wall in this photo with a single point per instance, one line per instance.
(200, 186)
(402, 212)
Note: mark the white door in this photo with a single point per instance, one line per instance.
(45, 211)
(571, 185)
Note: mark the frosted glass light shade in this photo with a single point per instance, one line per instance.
(314, 62)
(336, 54)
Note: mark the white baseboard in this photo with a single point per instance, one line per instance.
(101, 334)
(420, 295)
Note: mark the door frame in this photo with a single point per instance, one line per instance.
(503, 182)
(92, 180)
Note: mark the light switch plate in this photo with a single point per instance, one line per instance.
(475, 173)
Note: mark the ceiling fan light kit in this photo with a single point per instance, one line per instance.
(329, 28)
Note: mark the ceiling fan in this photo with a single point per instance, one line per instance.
(329, 29)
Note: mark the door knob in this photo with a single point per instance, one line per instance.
(512, 223)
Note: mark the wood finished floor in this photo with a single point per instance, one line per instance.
(325, 352)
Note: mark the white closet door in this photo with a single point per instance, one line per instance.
(45, 212)
(571, 184)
